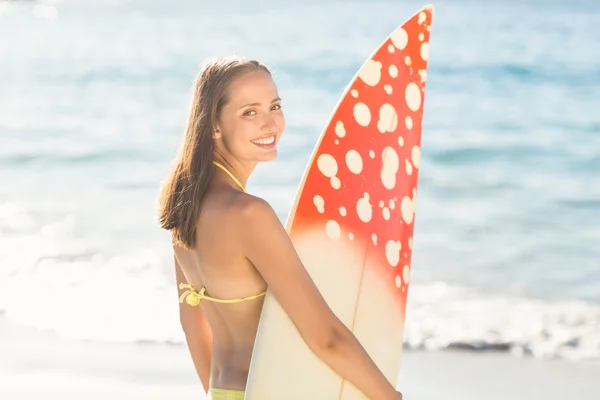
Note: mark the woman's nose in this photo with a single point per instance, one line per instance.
(269, 124)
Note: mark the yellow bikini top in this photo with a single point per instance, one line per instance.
(193, 297)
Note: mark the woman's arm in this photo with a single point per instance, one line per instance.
(267, 245)
(198, 334)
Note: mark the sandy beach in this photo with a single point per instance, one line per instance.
(36, 365)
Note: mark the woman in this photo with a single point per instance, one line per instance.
(230, 246)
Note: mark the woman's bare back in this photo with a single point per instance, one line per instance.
(218, 264)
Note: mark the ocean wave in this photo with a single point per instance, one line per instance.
(68, 285)
(441, 316)
(139, 308)
(82, 293)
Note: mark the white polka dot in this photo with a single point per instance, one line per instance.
(392, 204)
(319, 203)
(340, 130)
(416, 156)
(327, 165)
(381, 203)
(374, 239)
(393, 71)
(371, 154)
(409, 167)
(410, 242)
(370, 73)
(422, 18)
(362, 114)
(421, 36)
(386, 213)
(406, 208)
(335, 182)
(336, 141)
(354, 162)
(364, 210)
(413, 96)
(343, 211)
(351, 236)
(354, 93)
(406, 274)
(391, 163)
(409, 123)
(429, 28)
(392, 252)
(423, 75)
(401, 141)
(408, 61)
(425, 51)
(391, 48)
(414, 200)
(388, 119)
(388, 89)
(398, 281)
(366, 196)
(333, 230)
(399, 38)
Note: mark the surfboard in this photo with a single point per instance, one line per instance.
(352, 223)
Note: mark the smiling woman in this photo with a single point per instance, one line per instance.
(230, 246)
(254, 116)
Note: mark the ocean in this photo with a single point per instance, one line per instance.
(94, 97)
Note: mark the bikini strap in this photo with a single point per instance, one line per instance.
(237, 182)
(193, 297)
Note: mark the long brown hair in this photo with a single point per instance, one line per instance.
(182, 192)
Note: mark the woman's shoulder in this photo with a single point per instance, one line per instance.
(252, 208)
(239, 205)
(254, 217)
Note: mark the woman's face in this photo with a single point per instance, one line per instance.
(251, 122)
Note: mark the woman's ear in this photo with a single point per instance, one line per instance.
(217, 133)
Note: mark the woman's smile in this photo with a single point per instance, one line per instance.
(265, 142)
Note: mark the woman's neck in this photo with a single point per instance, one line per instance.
(240, 170)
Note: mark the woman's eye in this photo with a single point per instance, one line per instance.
(276, 107)
(250, 112)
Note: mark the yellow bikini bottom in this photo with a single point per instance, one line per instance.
(225, 394)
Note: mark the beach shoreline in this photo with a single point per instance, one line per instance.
(37, 364)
